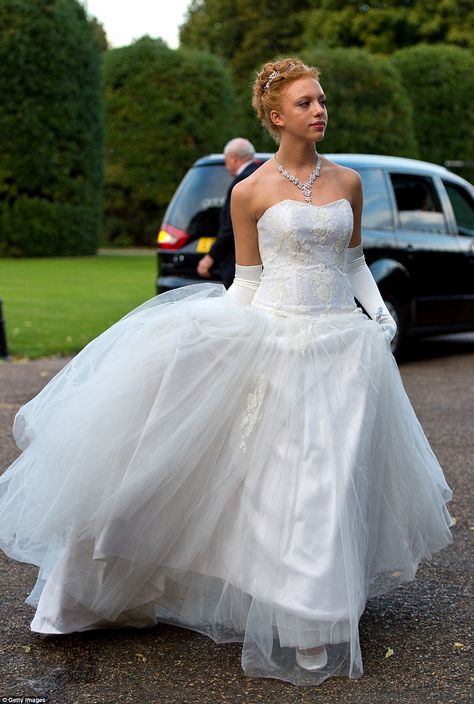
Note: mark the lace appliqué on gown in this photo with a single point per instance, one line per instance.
(253, 410)
(303, 247)
(323, 228)
(327, 287)
(289, 238)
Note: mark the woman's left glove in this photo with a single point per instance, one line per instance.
(387, 322)
(366, 290)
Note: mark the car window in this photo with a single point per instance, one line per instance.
(463, 206)
(418, 205)
(195, 207)
(377, 211)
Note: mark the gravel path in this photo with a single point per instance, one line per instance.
(426, 623)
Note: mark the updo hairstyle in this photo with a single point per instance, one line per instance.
(270, 84)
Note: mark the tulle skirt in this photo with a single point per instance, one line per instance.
(252, 476)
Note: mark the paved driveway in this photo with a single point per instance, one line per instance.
(425, 624)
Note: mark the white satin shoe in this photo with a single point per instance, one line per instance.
(312, 662)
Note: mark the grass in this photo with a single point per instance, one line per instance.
(56, 306)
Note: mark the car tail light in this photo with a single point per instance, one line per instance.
(170, 237)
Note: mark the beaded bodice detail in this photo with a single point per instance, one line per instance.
(302, 247)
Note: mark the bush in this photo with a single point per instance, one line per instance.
(164, 108)
(39, 228)
(51, 126)
(250, 126)
(369, 109)
(440, 80)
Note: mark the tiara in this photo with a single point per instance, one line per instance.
(272, 77)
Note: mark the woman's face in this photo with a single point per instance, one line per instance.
(303, 110)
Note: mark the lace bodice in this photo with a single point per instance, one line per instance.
(302, 247)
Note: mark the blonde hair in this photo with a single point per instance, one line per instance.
(270, 84)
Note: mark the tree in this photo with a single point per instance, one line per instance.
(51, 127)
(100, 34)
(213, 25)
(440, 80)
(245, 32)
(386, 25)
(249, 32)
(164, 109)
(249, 125)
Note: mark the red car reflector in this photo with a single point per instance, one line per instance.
(170, 237)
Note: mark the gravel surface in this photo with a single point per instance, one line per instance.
(426, 623)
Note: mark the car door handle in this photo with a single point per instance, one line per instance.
(410, 250)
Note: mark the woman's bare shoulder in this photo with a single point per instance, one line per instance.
(343, 180)
(350, 176)
(241, 188)
(249, 190)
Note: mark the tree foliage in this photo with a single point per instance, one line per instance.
(249, 125)
(249, 32)
(386, 25)
(443, 111)
(245, 32)
(51, 127)
(164, 109)
(100, 33)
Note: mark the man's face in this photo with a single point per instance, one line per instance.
(232, 163)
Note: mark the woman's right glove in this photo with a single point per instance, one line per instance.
(245, 283)
(366, 290)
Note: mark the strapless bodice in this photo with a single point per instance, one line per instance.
(302, 247)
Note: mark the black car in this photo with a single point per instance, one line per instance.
(417, 231)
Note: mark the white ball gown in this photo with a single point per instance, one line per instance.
(254, 473)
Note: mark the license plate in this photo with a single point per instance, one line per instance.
(204, 244)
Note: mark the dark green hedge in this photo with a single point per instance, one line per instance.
(51, 129)
(440, 81)
(164, 109)
(370, 111)
(40, 228)
(249, 125)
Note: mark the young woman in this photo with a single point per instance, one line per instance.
(243, 463)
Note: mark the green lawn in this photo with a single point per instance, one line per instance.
(56, 306)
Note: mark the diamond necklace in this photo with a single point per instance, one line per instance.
(303, 186)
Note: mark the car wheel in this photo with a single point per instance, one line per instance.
(398, 313)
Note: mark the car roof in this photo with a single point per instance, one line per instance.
(219, 158)
(362, 160)
(396, 163)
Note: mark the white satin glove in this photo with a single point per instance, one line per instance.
(367, 292)
(246, 282)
